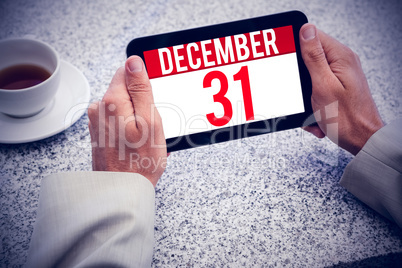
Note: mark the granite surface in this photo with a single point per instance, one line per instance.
(266, 201)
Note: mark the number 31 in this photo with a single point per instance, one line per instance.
(243, 76)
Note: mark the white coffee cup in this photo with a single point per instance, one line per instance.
(31, 100)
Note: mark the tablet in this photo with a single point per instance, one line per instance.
(228, 81)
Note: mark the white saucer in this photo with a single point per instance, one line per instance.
(69, 104)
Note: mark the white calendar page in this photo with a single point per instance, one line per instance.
(226, 81)
(183, 102)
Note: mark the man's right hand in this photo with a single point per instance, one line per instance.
(341, 94)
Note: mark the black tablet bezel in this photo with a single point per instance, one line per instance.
(294, 18)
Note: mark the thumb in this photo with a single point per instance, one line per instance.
(138, 86)
(313, 53)
(315, 130)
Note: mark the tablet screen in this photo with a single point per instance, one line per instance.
(214, 83)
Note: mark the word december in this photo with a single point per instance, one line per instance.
(218, 51)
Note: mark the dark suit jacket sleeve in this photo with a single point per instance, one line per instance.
(94, 219)
(375, 174)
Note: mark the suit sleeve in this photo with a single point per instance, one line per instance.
(375, 174)
(94, 219)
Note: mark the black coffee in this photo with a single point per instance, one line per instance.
(22, 76)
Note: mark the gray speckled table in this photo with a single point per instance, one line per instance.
(272, 200)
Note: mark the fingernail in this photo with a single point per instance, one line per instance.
(309, 33)
(135, 65)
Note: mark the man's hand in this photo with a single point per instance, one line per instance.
(126, 128)
(341, 94)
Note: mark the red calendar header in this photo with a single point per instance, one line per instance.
(219, 51)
